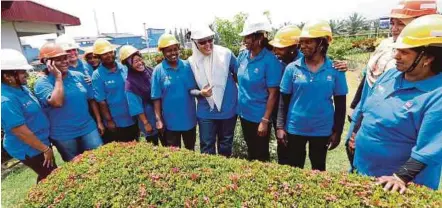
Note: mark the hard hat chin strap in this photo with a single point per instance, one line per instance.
(319, 45)
(416, 61)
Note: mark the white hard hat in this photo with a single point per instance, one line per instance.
(66, 42)
(14, 60)
(201, 32)
(256, 23)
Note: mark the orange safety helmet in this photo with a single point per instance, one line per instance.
(50, 50)
(414, 8)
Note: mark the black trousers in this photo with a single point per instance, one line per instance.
(122, 134)
(173, 138)
(36, 164)
(317, 151)
(257, 146)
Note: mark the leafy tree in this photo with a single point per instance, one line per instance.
(355, 22)
(300, 25)
(228, 31)
(337, 26)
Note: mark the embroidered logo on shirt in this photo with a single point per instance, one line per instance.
(27, 104)
(110, 82)
(329, 78)
(408, 105)
(301, 77)
(256, 70)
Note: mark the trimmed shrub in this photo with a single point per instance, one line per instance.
(141, 175)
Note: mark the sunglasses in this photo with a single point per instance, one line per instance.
(204, 42)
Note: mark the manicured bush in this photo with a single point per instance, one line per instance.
(141, 175)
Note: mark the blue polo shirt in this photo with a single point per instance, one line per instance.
(311, 110)
(137, 107)
(230, 100)
(72, 119)
(255, 76)
(82, 67)
(20, 107)
(109, 86)
(173, 87)
(401, 119)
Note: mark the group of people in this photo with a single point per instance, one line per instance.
(288, 83)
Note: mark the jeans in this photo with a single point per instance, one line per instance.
(210, 129)
(36, 164)
(317, 151)
(122, 134)
(173, 138)
(257, 146)
(70, 148)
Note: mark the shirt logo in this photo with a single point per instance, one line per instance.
(110, 82)
(329, 78)
(408, 105)
(27, 104)
(302, 77)
(256, 71)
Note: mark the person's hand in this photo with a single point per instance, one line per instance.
(334, 141)
(351, 143)
(207, 91)
(160, 126)
(88, 80)
(101, 128)
(148, 128)
(53, 69)
(111, 125)
(263, 128)
(340, 65)
(393, 184)
(49, 158)
(281, 135)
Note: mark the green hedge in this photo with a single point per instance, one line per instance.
(140, 175)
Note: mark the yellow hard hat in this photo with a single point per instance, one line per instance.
(286, 36)
(317, 29)
(102, 46)
(423, 31)
(166, 40)
(126, 51)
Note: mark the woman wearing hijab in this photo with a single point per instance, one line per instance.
(138, 84)
(213, 67)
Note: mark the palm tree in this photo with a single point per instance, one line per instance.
(337, 26)
(355, 22)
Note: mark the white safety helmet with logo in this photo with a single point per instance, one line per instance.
(14, 60)
(256, 23)
(66, 42)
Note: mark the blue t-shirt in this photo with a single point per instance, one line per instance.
(83, 68)
(109, 86)
(72, 119)
(20, 107)
(173, 87)
(137, 107)
(311, 110)
(230, 99)
(255, 76)
(401, 119)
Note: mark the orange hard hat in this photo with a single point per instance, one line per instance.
(414, 8)
(50, 50)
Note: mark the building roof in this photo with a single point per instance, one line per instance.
(89, 39)
(119, 35)
(29, 11)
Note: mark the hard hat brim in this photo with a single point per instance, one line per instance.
(22, 67)
(278, 44)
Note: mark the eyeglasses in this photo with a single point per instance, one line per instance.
(204, 42)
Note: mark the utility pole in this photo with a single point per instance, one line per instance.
(115, 23)
(96, 23)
